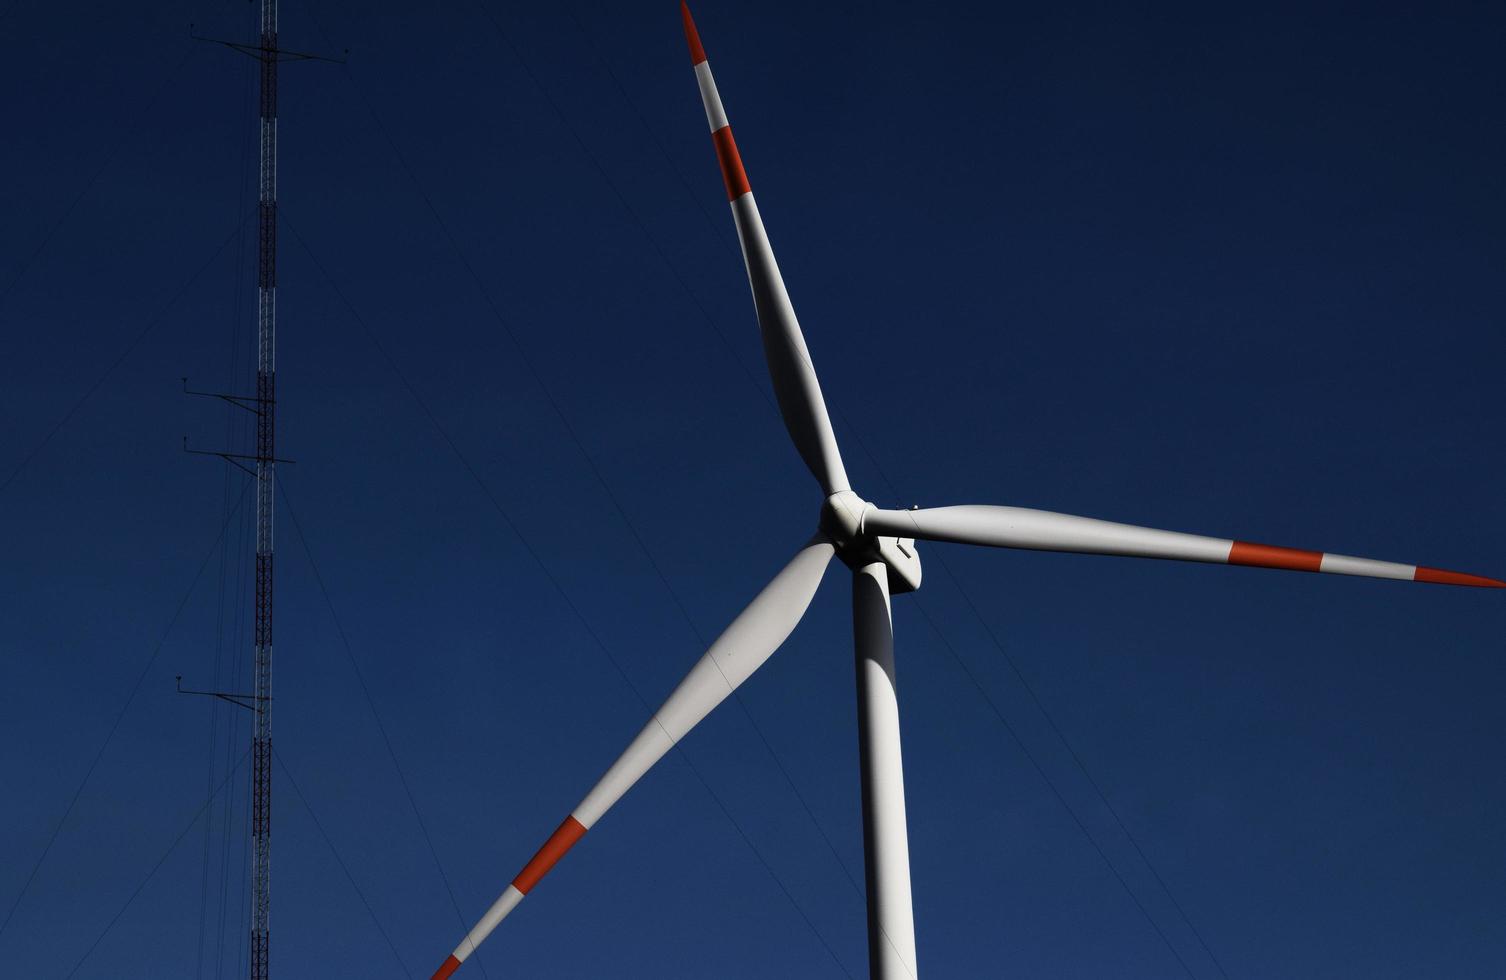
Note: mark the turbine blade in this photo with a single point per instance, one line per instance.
(795, 384)
(1042, 530)
(742, 648)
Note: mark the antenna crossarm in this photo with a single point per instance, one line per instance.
(262, 52)
(251, 403)
(247, 701)
(233, 458)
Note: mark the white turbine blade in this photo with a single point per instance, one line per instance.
(741, 649)
(794, 377)
(1042, 530)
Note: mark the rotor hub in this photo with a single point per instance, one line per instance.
(842, 517)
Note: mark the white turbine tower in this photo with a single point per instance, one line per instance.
(879, 547)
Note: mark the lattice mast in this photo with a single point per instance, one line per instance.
(266, 377)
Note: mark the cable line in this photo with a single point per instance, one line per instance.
(233, 420)
(847, 423)
(110, 735)
(680, 280)
(155, 868)
(203, 808)
(574, 436)
(370, 703)
(233, 383)
(596, 470)
(1055, 728)
(341, 861)
(1054, 791)
(151, 101)
(241, 594)
(129, 349)
(549, 576)
(1081, 767)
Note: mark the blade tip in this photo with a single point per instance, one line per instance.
(692, 36)
(449, 966)
(1441, 576)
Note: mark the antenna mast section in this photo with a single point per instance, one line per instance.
(266, 462)
(263, 405)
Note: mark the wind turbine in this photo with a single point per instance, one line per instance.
(879, 547)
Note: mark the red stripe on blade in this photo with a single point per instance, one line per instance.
(697, 53)
(732, 164)
(1441, 577)
(554, 848)
(1270, 556)
(449, 967)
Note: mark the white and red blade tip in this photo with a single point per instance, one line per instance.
(727, 156)
(692, 37)
(564, 838)
(1299, 560)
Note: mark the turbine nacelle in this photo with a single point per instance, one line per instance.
(842, 519)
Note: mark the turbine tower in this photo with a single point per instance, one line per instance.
(878, 546)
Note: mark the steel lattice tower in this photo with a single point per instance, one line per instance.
(266, 376)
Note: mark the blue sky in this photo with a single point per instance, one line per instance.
(1233, 271)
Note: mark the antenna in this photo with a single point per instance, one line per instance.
(263, 468)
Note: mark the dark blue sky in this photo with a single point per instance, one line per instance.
(1228, 271)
